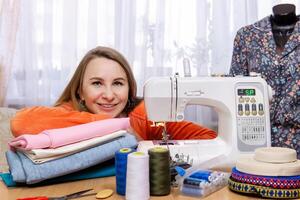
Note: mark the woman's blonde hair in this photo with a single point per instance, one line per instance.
(71, 92)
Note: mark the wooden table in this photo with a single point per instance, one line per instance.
(99, 184)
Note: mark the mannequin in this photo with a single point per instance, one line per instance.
(255, 50)
(283, 21)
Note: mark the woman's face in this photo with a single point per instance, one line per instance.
(105, 87)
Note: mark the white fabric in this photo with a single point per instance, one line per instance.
(154, 35)
(43, 155)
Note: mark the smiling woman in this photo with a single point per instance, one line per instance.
(105, 87)
(102, 87)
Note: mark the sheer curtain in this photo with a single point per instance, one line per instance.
(9, 15)
(154, 35)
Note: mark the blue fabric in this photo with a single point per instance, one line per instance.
(102, 170)
(24, 170)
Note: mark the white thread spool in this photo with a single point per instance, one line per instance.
(137, 176)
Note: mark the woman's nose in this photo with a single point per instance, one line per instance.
(108, 94)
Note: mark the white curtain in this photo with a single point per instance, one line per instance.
(154, 35)
(9, 18)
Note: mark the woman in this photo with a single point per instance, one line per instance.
(102, 87)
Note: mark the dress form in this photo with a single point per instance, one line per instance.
(283, 21)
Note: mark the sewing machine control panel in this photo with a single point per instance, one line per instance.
(250, 113)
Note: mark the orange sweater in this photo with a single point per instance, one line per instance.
(36, 119)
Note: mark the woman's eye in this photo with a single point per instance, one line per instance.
(96, 83)
(118, 83)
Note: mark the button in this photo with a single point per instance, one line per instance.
(252, 100)
(104, 194)
(260, 107)
(179, 117)
(240, 109)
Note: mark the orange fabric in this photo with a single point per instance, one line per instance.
(36, 119)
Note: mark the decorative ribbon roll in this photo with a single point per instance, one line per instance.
(262, 191)
(278, 182)
(160, 177)
(137, 176)
(121, 167)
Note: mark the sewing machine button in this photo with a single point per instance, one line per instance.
(180, 117)
(260, 109)
(247, 99)
(240, 109)
(241, 100)
(254, 111)
(247, 109)
(252, 100)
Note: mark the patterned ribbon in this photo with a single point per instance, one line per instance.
(262, 191)
(277, 182)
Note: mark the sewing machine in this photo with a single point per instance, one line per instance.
(242, 104)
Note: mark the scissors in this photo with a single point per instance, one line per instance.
(64, 197)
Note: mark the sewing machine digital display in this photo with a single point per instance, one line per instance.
(246, 92)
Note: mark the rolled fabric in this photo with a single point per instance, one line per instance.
(24, 170)
(63, 136)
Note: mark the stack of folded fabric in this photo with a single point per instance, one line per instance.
(57, 152)
(272, 172)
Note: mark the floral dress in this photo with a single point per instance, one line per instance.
(255, 51)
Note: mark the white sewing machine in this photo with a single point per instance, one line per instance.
(242, 104)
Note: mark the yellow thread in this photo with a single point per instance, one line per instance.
(125, 150)
(138, 153)
(158, 149)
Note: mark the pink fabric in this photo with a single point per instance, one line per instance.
(63, 136)
(28, 142)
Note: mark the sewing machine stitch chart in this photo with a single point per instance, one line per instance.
(242, 104)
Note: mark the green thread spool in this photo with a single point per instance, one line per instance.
(159, 170)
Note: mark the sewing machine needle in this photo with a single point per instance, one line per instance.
(165, 137)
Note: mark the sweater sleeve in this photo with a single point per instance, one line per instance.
(36, 119)
(176, 130)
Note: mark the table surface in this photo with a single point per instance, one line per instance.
(100, 184)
